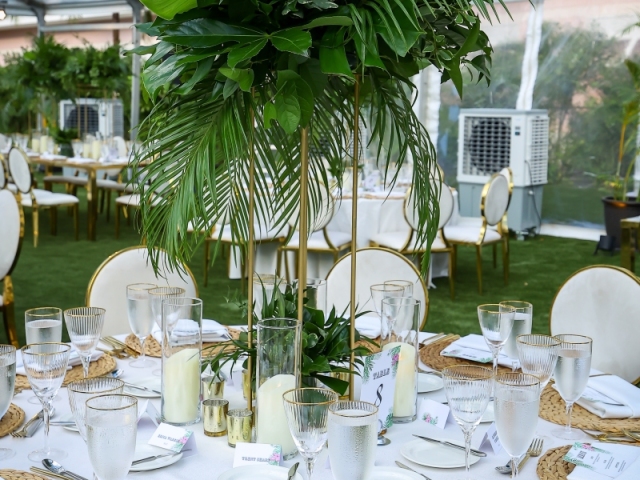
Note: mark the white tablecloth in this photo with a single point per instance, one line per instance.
(215, 456)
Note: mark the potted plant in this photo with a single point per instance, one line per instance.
(325, 342)
(620, 204)
(234, 79)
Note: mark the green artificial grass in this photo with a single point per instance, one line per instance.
(57, 273)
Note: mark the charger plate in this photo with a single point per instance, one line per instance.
(11, 420)
(20, 475)
(552, 467)
(153, 349)
(100, 367)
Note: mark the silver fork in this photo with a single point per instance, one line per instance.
(22, 433)
(535, 449)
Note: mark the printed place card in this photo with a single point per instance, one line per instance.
(491, 438)
(172, 438)
(379, 383)
(433, 413)
(600, 460)
(249, 453)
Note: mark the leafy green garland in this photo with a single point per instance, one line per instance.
(236, 78)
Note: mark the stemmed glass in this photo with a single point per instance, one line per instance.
(379, 292)
(157, 296)
(84, 325)
(516, 407)
(353, 428)
(496, 322)
(112, 426)
(82, 390)
(521, 326)
(538, 355)
(405, 284)
(468, 390)
(307, 411)
(571, 375)
(7, 384)
(141, 318)
(46, 365)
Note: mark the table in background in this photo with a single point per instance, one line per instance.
(629, 241)
(215, 456)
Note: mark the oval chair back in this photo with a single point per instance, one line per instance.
(19, 170)
(373, 265)
(495, 199)
(602, 302)
(3, 173)
(12, 228)
(320, 211)
(445, 205)
(108, 285)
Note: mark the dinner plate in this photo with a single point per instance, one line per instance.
(253, 472)
(435, 455)
(393, 473)
(429, 383)
(149, 382)
(143, 450)
(489, 415)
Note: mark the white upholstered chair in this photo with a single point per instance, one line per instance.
(373, 265)
(321, 238)
(493, 208)
(407, 243)
(107, 288)
(602, 302)
(37, 199)
(12, 228)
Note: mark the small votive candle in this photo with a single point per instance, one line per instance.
(239, 426)
(212, 386)
(214, 412)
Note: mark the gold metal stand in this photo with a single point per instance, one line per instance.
(354, 230)
(303, 229)
(250, 256)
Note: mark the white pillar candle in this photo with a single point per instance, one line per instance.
(181, 386)
(44, 140)
(96, 148)
(272, 421)
(404, 400)
(86, 150)
(35, 144)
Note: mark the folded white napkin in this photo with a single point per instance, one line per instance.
(474, 347)
(74, 360)
(369, 325)
(81, 160)
(632, 472)
(212, 332)
(609, 396)
(51, 156)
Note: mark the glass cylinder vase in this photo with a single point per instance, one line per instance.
(181, 352)
(278, 370)
(401, 317)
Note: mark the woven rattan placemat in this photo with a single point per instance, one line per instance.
(552, 467)
(552, 409)
(430, 356)
(100, 367)
(11, 420)
(20, 475)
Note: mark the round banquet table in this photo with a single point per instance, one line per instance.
(376, 213)
(214, 456)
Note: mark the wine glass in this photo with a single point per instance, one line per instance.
(521, 326)
(46, 365)
(353, 428)
(571, 375)
(141, 318)
(379, 292)
(307, 411)
(538, 355)
(517, 401)
(112, 426)
(82, 390)
(84, 325)
(468, 391)
(7, 383)
(157, 296)
(496, 322)
(405, 284)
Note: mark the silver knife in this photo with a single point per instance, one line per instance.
(292, 471)
(155, 457)
(473, 451)
(33, 428)
(131, 385)
(402, 465)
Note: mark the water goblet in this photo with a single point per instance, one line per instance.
(538, 355)
(405, 284)
(307, 411)
(112, 426)
(468, 391)
(522, 321)
(496, 322)
(84, 325)
(46, 366)
(82, 390)
(7, 384)
(353, 428)
(43, 324)
(571, 375)
(141, 318)
(517, 401)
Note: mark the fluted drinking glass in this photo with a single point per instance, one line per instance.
(307, 411)
(405, 284)
(82, 390)
(7, 384)
(46, 365)
(84, 325)
(538, 355)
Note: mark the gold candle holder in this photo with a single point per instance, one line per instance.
(214, 412)
(213, 387)
(239, 422)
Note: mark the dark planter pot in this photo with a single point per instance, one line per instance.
(614, 211)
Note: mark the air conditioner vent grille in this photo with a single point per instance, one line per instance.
(539, 150)
(487, 145)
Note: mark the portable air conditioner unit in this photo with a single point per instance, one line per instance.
(93, 116)
(492, 139)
